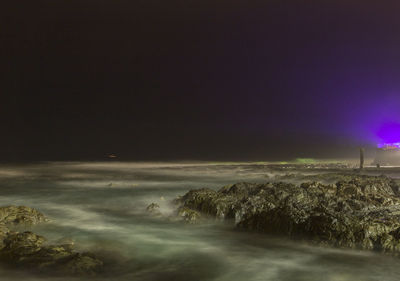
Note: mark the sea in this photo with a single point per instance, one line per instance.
(101, 206)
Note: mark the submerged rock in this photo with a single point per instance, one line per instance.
(28, 250)
(154, 209)
(361, 212)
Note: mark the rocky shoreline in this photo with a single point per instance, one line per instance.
(359, 211)
(29, 251)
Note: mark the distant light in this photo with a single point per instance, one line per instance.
(305, 160)
(389, 146)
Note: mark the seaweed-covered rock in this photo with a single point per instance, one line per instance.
(20, 215)
(360, 212)
(188, 215)
(11, 216)
(3, 234)
(29, 251)
(18, 245)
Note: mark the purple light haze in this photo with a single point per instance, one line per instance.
(389, 132)
(373, 120)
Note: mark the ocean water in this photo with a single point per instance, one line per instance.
(101, 206)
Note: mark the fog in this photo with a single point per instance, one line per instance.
(101, 206)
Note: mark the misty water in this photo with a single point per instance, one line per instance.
(102, 207)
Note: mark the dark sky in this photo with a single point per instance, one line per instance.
(210, 80)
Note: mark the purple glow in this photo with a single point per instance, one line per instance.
(389, 132)
(372, 120)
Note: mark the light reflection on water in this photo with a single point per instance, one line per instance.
(102, 207)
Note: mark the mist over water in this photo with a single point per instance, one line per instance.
(101, 206)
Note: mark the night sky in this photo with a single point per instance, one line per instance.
(197, 80)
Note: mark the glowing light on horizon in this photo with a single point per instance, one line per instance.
(389, 146)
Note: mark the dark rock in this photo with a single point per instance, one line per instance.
(20, 215)
(81, 264)
(11, 216)
(360, 212)
(18, 245)
(29, 251)
(189, 215)
(3, 234)
(154, 209)
(66, 242)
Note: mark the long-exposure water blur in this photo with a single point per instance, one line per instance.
(101, 206)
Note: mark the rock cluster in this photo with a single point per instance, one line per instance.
(361, 212)
(153, 209)
(29, 251)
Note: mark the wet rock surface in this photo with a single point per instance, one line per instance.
(21, 215)
(357, 212)
(189, 215)
(153, 209)
(27, 250)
